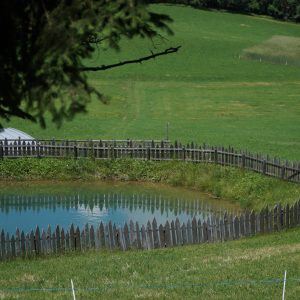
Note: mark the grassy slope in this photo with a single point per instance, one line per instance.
(248, 189)
(162, 274)
(205, 92)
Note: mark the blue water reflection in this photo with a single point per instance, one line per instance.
(26, 212)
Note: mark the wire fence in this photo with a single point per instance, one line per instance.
(264, 281)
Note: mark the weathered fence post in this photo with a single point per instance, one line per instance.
(216, 155)
(2, 244)
(72, 238)
(38, 152)
(236, 228)
(38, 240)
(1, 151)
(91, 150)
(226, 227)
(205, 232)
(168, 240)
(287, 216)
(7, 242)
(189, 232)
(101, 236)
(132, 235)
(148, 153)
(200, 232)
(252, 223)
(280, 217)
(138, 236)
(231, 224)
(155, 234)
(162, 236)
(183, 234)
(283, 170)
(243, 160)
(194, 230)
(18, 242)
(264, 167)
(275, 218)
(149, 236)
(242, 225)
(126, 237)
(23, 249)
(77, 239)
(295, 214)
(144, 238)
(178, 232)
(173, 230)
(5, 147)
(75, 151)
(13, 247)
(261, 221)
(62, 241)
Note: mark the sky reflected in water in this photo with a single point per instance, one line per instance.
(26, 207)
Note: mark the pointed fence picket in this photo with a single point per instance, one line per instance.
(171, 234)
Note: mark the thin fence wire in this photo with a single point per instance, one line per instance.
(265, 281)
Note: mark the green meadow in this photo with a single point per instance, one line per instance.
(235, 81)
(211, 91)
(247, 269)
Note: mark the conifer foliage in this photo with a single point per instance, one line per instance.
(45, 43)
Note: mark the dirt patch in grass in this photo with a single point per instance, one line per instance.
(254, 254)
(278, 49)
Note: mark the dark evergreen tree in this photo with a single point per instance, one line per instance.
(45, 43)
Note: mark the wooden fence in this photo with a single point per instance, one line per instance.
(133, 236)
(150, 150)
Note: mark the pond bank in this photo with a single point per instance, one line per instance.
(248, 189)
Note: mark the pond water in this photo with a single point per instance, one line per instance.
(26, 205)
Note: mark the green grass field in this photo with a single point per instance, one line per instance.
(210, 271)
(207, 91)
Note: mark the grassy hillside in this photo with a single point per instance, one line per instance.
(207, 91)
(246, 269)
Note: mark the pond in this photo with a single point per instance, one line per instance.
(26, 205)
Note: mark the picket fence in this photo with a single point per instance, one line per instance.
(150, 150)
(133, 236)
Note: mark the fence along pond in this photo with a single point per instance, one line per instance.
(110, 236)
(153, 235)
(150, 150)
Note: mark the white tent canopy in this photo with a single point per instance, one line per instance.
(14, 134)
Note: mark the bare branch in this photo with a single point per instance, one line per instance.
(133, 61)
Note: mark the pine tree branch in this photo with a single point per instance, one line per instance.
(133, 61)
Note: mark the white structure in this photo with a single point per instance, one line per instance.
(14, 134)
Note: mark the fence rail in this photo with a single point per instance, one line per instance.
(133, 236)
(150, 150)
